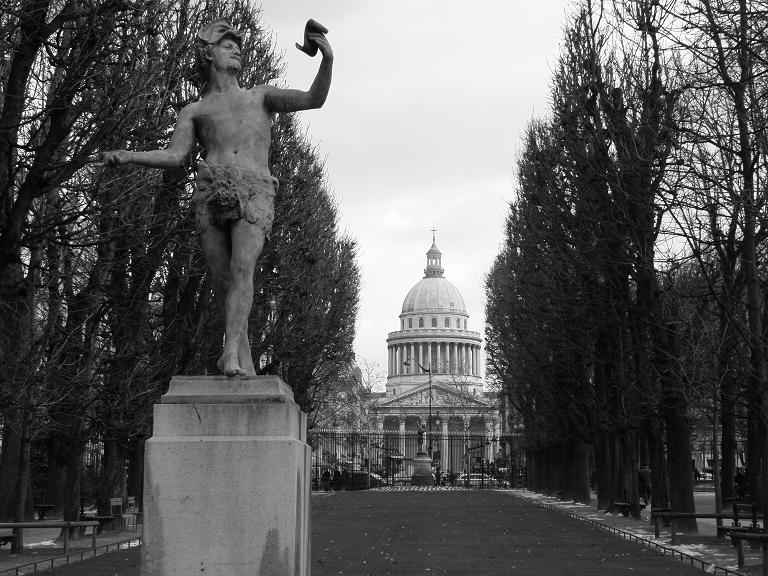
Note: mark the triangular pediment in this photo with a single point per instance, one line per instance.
(443, 396)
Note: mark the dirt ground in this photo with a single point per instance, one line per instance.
(447, 533)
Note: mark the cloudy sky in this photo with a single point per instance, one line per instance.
(421, 130)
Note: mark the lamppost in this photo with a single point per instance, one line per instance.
(429, 421)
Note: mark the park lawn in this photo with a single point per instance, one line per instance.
(447, 533)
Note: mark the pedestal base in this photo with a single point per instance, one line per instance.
(422, 470)
(226, 487)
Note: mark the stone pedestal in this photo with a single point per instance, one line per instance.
(422, 470)
(226, 485)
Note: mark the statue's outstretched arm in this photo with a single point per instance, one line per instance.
(181, 144)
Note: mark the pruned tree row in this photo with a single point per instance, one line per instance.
(626, 310)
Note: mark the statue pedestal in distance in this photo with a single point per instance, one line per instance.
(422, 470)
(226, 486)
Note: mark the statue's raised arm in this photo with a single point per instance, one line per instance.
(288, 100)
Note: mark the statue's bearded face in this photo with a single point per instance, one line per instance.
(225, 55)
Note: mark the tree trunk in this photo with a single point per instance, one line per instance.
(135, 482)
(56, 475)
(112, 477)
(579, 472)
(678, 426)
(728, 439)
(9, 466)
(657, 462)
(603, 468)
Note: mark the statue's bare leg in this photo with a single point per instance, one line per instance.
(247, 243)
(215, 242)
(244, 356)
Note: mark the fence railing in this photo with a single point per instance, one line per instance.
(66, 559)
(353, 460)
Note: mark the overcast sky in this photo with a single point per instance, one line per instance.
(421, 130)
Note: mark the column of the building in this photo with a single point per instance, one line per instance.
(412, 358)
(402, 436)
(395, 354)
(429, 356)
(444, 443)
(419, 357)
(439, 357)
(474, 360)
(467, 348)
(466, 355)
(394, 360)
(398, 368)
(479, 360)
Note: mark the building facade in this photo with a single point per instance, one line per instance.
(435, 378)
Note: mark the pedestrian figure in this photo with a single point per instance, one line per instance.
(326, 478)
(741, 483)
(644, 478)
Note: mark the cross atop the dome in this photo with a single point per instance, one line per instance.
(433, 234)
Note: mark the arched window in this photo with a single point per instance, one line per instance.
(458, 323)
(421, 322)
(447, 322)
(465, 324)
(402, 324)
(410, 322)
(434, 322)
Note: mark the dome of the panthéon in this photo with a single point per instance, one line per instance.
(433, 293)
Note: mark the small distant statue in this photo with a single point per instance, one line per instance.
(234, 200)
(421, 432)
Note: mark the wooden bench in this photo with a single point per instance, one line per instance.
(625, 507)
(7, 539)
(736, 526)
(659, 515)
(42, 510)
(760, 537)
(105, 523)
(17, 539)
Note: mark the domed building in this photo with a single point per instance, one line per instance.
(435, 377)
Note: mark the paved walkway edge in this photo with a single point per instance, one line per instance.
(656, 546)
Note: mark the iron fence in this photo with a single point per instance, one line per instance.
(353, 460)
